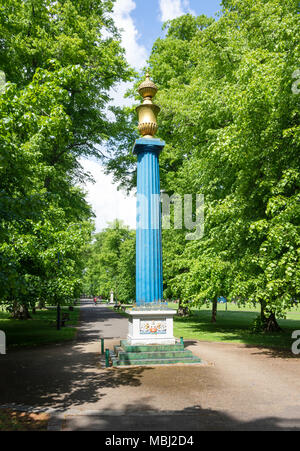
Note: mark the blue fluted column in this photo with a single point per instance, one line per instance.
(149, 275)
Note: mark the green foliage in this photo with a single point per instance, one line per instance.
(59, 68)
(110, 263)
(257, 325)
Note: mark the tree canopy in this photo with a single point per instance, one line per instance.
(60, 60)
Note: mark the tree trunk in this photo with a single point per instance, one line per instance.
(271, 325)
(20, 311)
(262, 312)
(41, 305)
(182, 311)
(214, 311)
(58, 324)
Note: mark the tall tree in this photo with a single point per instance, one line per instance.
(60, 60)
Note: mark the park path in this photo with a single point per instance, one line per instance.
(237, 388)
(64, 375)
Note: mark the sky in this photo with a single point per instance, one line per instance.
(140, 22)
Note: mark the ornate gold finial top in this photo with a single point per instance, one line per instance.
(148, 88)
(148, 111)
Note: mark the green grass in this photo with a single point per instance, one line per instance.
(234, 326)
(39, 330)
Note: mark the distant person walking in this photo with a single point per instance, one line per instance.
(95, 300)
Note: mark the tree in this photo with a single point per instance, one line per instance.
(59, 68)
(237, 118)
(110, 263)
(126, 270)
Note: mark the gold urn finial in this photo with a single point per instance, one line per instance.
(148, 111)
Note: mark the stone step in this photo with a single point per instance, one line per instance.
(142, 362)
(122, 356)
(154, 348)
(126, 355)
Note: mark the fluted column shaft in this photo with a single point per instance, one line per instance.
(149, 274)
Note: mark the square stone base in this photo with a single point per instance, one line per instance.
(151, 327)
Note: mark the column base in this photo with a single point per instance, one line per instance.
(150, 327)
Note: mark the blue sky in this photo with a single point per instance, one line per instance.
(141, 24)
(148, 14)
(142, 20)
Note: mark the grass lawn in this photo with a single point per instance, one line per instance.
(21, 421)
(234, 326)
(39, 330)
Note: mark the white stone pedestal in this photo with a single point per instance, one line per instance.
(151, 327)
(111, 297)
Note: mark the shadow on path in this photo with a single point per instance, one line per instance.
(189, 419)
(66, 375)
